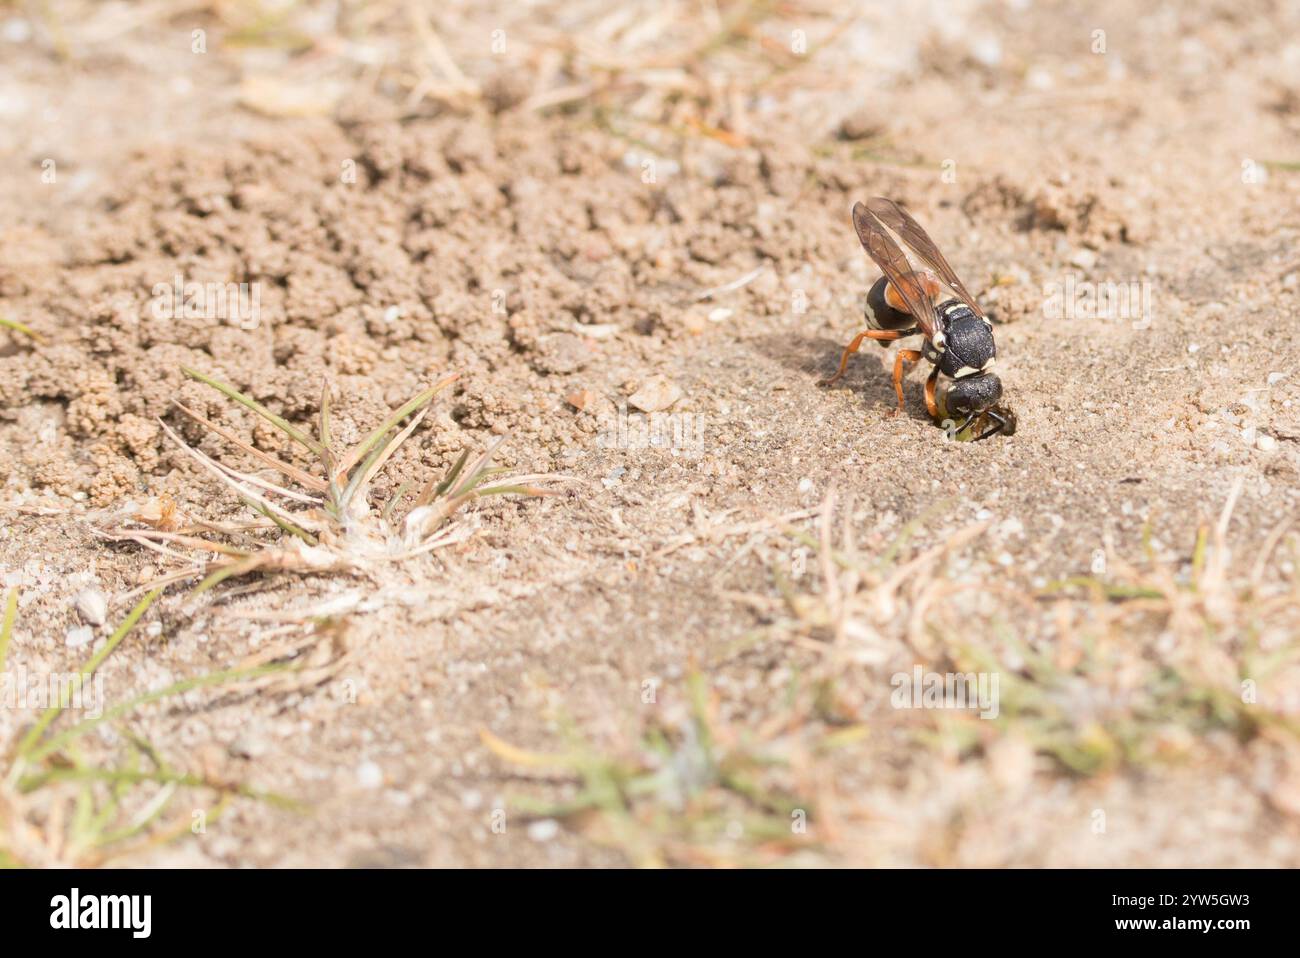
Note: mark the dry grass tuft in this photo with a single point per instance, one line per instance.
(327, 522)
(1147, 665)
(59, 806)
(1098, 672)
(695, 789)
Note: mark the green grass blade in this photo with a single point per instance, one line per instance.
(413, 405)
(448, 480)
(360, 473)
(512, 491)
(283, 523)
(60, 741)
(225, 572)
(7, 626)
(115, 776)
(387, 512)
(49, 715)
(293, 432)
(22, 328)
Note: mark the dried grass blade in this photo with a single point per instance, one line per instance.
(391, 448)
(216, 469)
(305, 479)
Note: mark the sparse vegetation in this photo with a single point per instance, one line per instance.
(563, 204)
(65, 802)
(328, 524)
(694, 790)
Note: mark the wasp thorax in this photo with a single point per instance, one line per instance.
(968, 346)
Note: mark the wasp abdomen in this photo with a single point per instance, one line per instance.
(880, 315)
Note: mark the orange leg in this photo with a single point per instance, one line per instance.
(906, 357)
(931, 406)
(880, 335)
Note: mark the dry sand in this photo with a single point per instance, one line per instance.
(586, 249)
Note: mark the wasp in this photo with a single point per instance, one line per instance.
(958, 336)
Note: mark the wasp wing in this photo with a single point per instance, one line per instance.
(918, 240)
(885, 253)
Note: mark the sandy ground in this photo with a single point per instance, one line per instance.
(688, 657)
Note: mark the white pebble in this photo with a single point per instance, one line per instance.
(1085, 259)
(79, 635)
(93, 606)
(17, 30)
(1011, 527)
(656, 393)
(1265, 443)
(369, 775)
(987, 50)
(543, 830)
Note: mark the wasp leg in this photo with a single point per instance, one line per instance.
(880, 335)
(988, 433)
(931, 406)
(906, 357)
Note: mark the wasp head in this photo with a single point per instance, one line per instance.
(973, 400)
(971, 395)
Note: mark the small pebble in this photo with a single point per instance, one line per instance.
(17, 30)
(79, 635)
(581, 399)
(369, 775)
(1085, 259)
(656, 393)
(543, 830)
(1265, 443)
(92, 606)
(248, 746)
